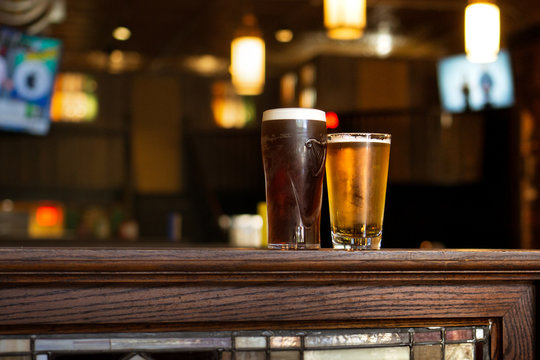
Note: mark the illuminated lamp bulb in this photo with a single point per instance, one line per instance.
(482, 32)
(284, 35)
(384, 42)
(121, 33)
(344, 19)
(248, 59)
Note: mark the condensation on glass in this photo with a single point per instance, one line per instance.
(433, 343)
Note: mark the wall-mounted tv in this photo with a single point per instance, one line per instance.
(466, 86)
(28, 66)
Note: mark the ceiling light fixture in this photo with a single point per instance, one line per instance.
(207, 65)
(284, 35)
(345, 19)
(482, 31)
(384, 42)
(248, 58)
(121, 33)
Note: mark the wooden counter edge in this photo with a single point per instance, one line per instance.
(196, 265)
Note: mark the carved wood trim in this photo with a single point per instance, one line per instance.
(51, 290)
(518, 327)
(168, 265)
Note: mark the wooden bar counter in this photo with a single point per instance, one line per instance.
(55, 290)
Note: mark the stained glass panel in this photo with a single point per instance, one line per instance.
(433, 343)
(427, 352)
(459, 352)
(285, 341)
(166, 343)
(14, 345)
(356, 339)
(72, 344)
(461, 334)
(427, 336)
(250, 342)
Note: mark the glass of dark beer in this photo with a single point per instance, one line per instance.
(293, 142)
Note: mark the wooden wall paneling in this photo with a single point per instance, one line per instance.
(117, 166)
(382, 84)
(230, 160)
(335, 90)
(423, 82)
(156, 134)
(114, 100)
(90, 161)
(525, 61)
(461, 144)
(7, 154)
(425, 149)
(27, 161)
(346, 84)
(401, 127)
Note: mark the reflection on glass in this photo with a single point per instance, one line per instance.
(462, 334)
(285, 342)
(250, 342)
(356, 339)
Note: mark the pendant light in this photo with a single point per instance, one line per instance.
(482, 31)
(344, 19)
(248, 58)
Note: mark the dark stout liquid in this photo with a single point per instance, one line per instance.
(294, 153)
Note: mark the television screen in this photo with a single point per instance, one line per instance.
(466, 86)
(28, 66)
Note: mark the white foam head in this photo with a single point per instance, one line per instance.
(294, 113)
(359, 137)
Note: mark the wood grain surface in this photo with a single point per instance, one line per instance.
(170, 289)
(196, 265)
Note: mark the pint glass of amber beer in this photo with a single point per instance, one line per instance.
(356, 175)
(293, 142)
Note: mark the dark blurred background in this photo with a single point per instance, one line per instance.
(157, 162)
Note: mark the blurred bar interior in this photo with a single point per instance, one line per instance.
(152, 140)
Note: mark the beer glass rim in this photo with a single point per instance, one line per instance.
(359, 136)
(294, 114)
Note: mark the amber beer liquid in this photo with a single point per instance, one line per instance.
(357, 173)
(293, 142)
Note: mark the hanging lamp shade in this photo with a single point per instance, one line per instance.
(482, 31)
(248, 59)
(344, 19)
